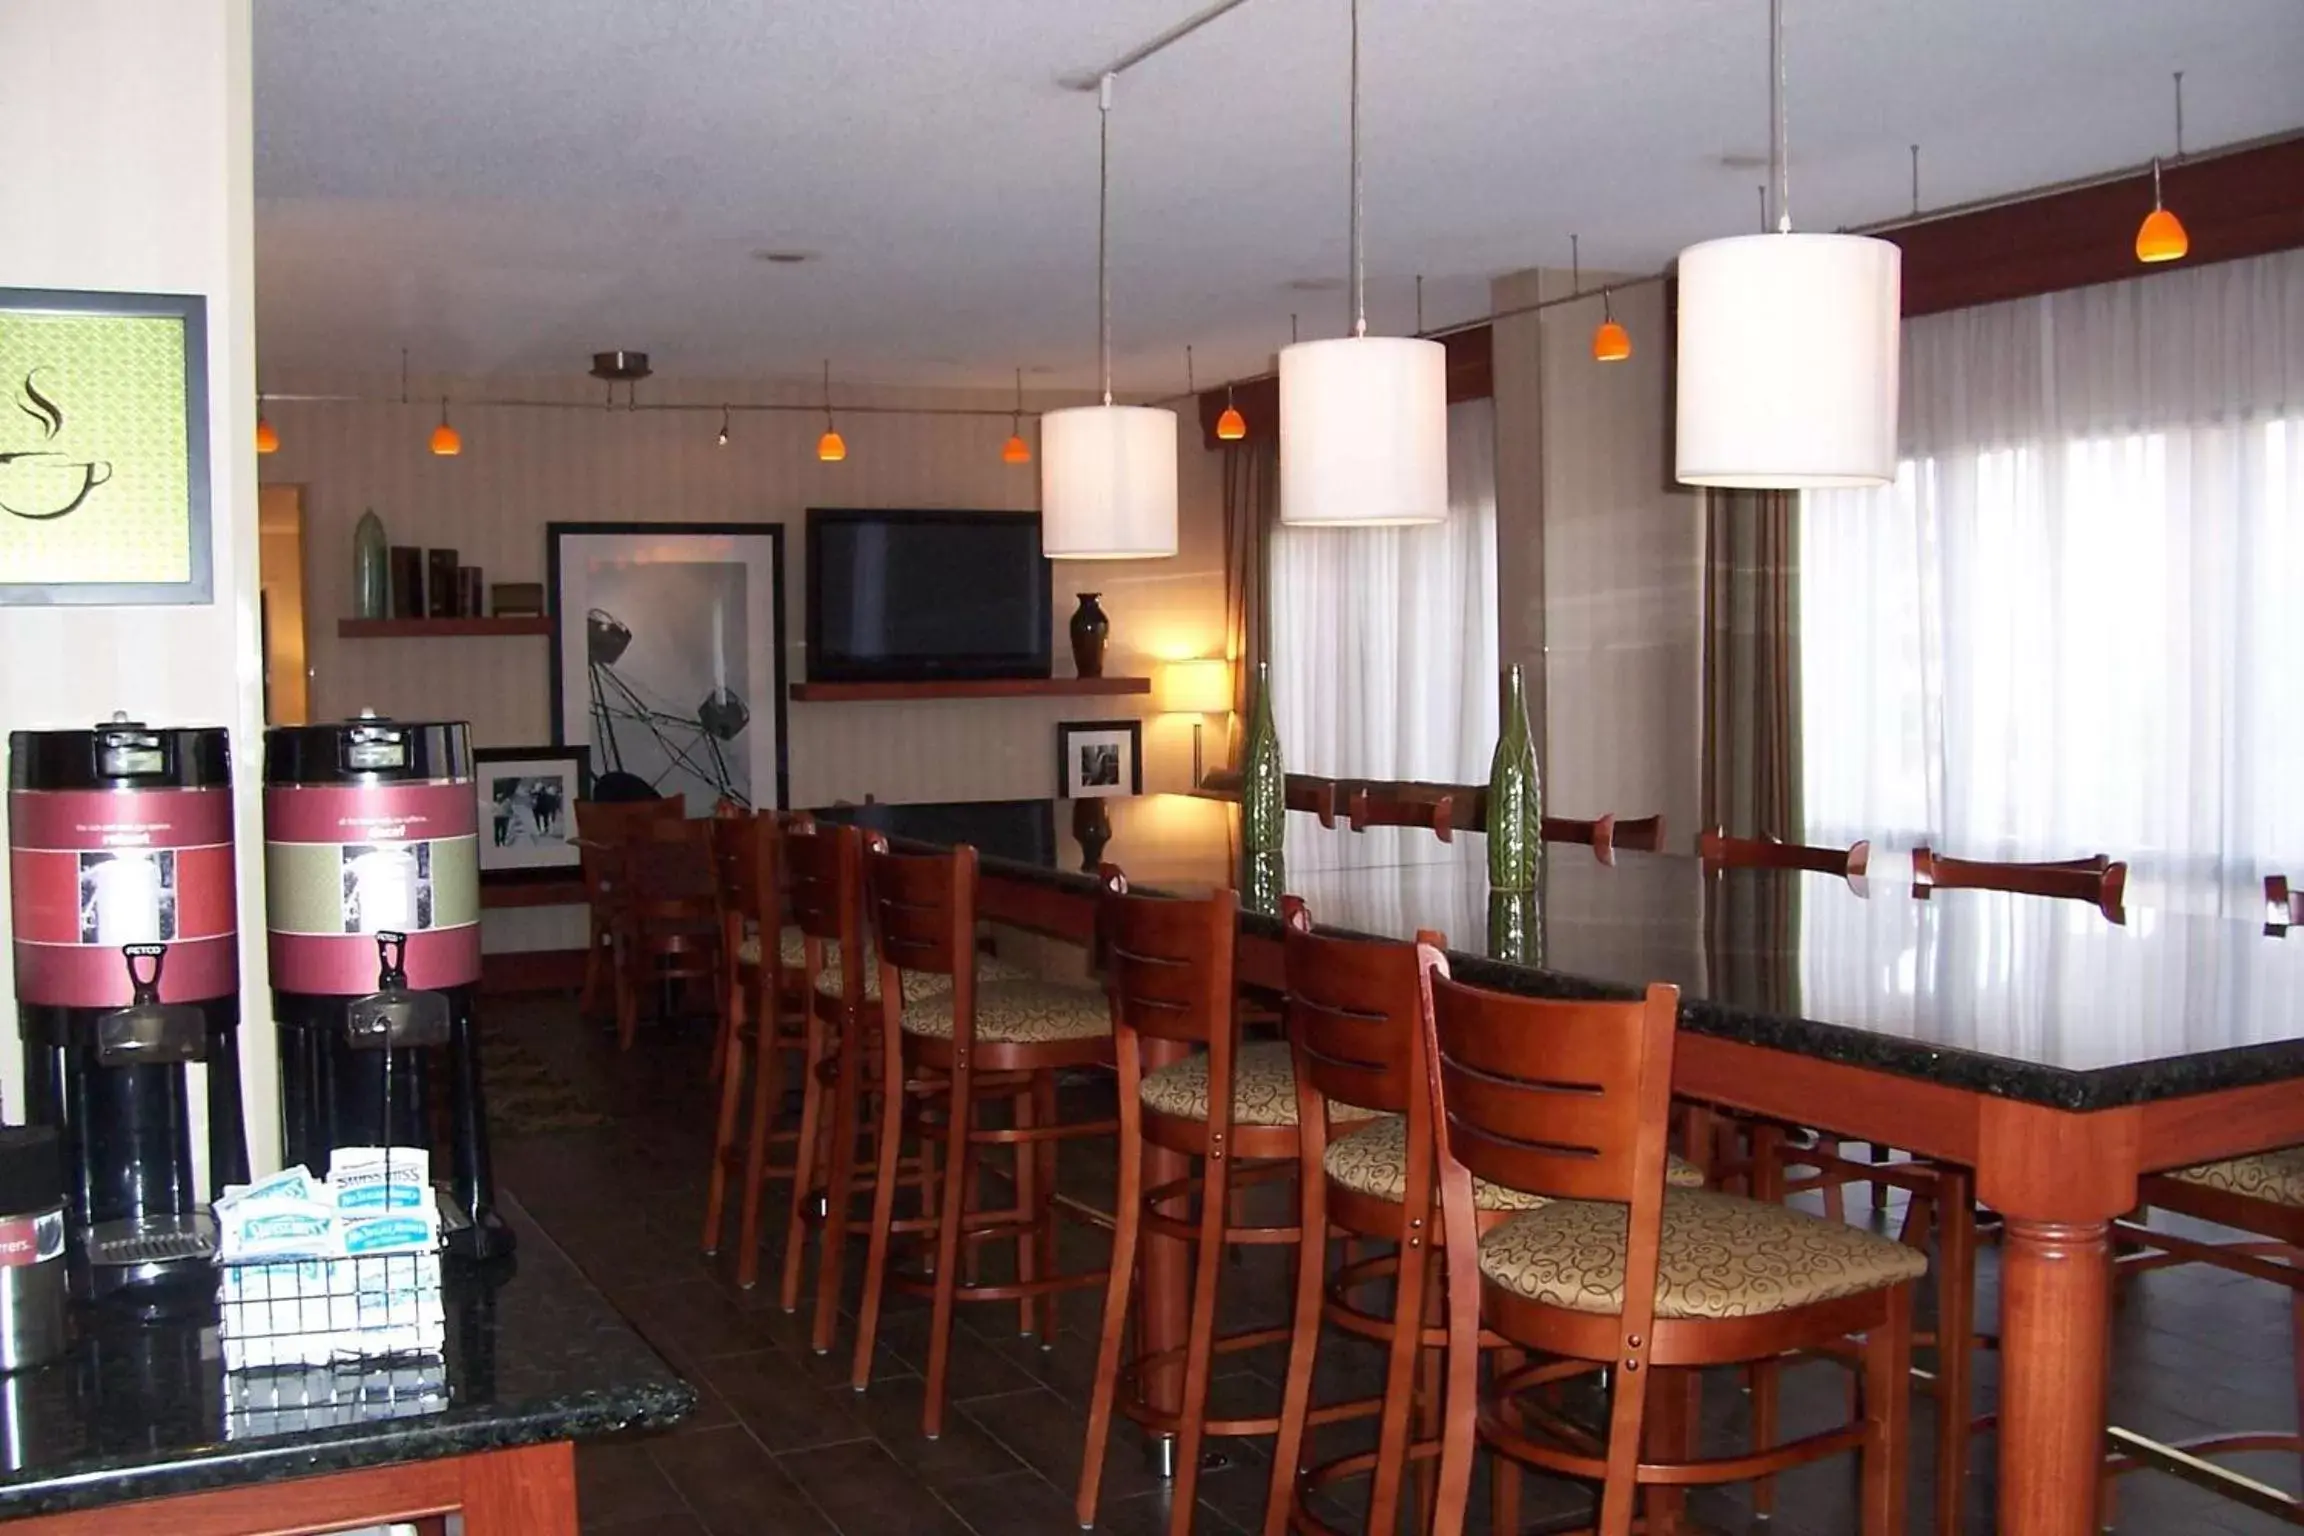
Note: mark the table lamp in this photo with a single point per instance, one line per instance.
(1198, 688)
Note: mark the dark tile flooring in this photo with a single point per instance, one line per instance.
(781, 1444)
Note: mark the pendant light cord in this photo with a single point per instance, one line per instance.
(1359, 259)
(1104, 233)
(1780, 138)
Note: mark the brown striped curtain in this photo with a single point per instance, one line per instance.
(1251, 502)
(1752, 663)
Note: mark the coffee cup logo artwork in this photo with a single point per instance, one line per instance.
(42, 484)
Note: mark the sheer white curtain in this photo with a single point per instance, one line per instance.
(2072, 624)
(1383, 640)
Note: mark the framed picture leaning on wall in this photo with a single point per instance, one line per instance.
(528, 801)
(1099, 759)
(668, 656)
(104, 448)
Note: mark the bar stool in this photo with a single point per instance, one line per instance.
(673, 932)
(967, 1040)
(764, 1017)
(602, 829)
(1354, 1022)
(1170, 973)
(1571, 1101)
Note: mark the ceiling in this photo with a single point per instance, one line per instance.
(506, 187)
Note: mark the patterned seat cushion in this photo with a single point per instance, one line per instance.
(2277, 1176)
(1374, 1162)
(791, 953)
(1016, 1013)
(788, 948)
(1724, 1256)
(1263, 1087)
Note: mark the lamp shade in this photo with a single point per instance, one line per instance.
(446, 441)
(267, 436)
(1364, 432)
(1611, 343)
(1015, 450)
(1231, 426)
(1108, 483)
(2161, 237)
(1788, 361)
(1200, 687)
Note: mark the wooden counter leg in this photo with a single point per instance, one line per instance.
(527, 1492)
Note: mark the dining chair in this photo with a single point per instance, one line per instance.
(1606, 834)
(1617, 1272)
(1303, 792)
(674, 928)
(1170, 974)
(1435, 806)
(1355, 1029)
(2095, 879)
(602, 827)
(1718, 849)
(971, 1042)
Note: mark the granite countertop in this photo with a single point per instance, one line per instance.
(2020, 997)
(146, 1410)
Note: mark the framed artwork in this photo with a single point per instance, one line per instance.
(668, 656)
(104, 448)
(528, 801)
(1099, 759)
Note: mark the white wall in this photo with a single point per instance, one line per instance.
(129, 168)
(1601, 573)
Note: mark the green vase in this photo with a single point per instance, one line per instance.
(1516, 927)
(1515, 797)
(371, 590)
(1265, 884)
(1263, 782)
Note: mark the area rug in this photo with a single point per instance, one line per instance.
(526, 1097)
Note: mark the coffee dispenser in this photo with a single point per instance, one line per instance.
(372, 902)
(127, 972)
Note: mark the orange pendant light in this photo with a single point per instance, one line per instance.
(1611, 343)
(1016, 450)
(2161, 236)
(831, 448)
(267, 436)
(445, 441)
(1231, 426)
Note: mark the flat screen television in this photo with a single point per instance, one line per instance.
(918, 596)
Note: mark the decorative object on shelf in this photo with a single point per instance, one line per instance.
(668, 655)
(371, 569)
(1787, 368)
(1516, 927)
(1092, 829)
(1263, 782)
(1107, 472)
(1263, 883)
(104, 448)
(1198, 688)
(528, 801)
(470, 592)
(1099, 759)
(407, 582)
(1515, 796)
(1090, 628)
(2161, 236)
(516, 599)
(1363, 419)
(440, 584)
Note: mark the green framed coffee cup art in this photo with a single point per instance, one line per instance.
(103, 448)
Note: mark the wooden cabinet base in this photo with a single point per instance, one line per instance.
(526, 1492)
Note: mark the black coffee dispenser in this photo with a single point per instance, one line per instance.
(126, 948)
(372, 900)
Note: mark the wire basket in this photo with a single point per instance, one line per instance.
(290, 1398)
(313, 1312)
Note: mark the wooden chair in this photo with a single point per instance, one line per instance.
(1303, 792)
(1606, 834)
(602, 828)
(1440, 807)
(1170, 974)
(1570, 1101)
(673, 930)
(2283, 907)
(2095, 879)
(1721, 851)
(1356, 1031)
(979, 1041)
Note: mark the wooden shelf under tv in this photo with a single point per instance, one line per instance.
(410, 629)
(968, 688)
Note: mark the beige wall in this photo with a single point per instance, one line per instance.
(129, 168)
(1601, 558)
(523, 468)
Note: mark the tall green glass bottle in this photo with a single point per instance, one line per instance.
(1515, 797)
(371, 595)
(1263, 782)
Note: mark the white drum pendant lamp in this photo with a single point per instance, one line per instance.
(1788, 348)
(1107, 472)
(1363, 419)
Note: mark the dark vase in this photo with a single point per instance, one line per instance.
(1090, 629)
(1092, 827)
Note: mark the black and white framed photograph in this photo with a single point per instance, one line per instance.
(528, 801)
(668, 657)
(1099, 759)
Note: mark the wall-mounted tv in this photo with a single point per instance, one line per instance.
(913, 596)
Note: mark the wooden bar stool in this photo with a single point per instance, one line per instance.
(978, 1040)
(1571, 1101)
(1353, 1009)
(1170, 972)
(674, 930)
(602, 829)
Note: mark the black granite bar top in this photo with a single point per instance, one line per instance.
(2021, 997)
(146, 1410)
